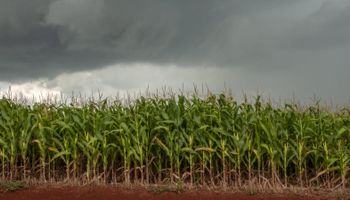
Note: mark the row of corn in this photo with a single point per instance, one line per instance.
(198, 141)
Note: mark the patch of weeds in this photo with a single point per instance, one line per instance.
(180, 187)
(11, 186)
(159, 189)
(251, 190)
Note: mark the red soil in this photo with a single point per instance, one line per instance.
(109, 193)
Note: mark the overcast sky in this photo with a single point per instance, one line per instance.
(279, 48)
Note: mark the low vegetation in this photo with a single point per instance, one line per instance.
(11, 186)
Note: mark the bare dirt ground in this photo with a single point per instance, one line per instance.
(109, 193)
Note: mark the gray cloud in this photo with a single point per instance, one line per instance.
(298, 45)
(328, 27)
(48, 37)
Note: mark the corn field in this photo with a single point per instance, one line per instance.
(198, 141)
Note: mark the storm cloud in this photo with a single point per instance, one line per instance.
(302, 43)
(43, 38)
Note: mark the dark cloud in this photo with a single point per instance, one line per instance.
(45, 38)
(328, 27)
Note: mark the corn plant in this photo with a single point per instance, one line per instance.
(213, 140)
